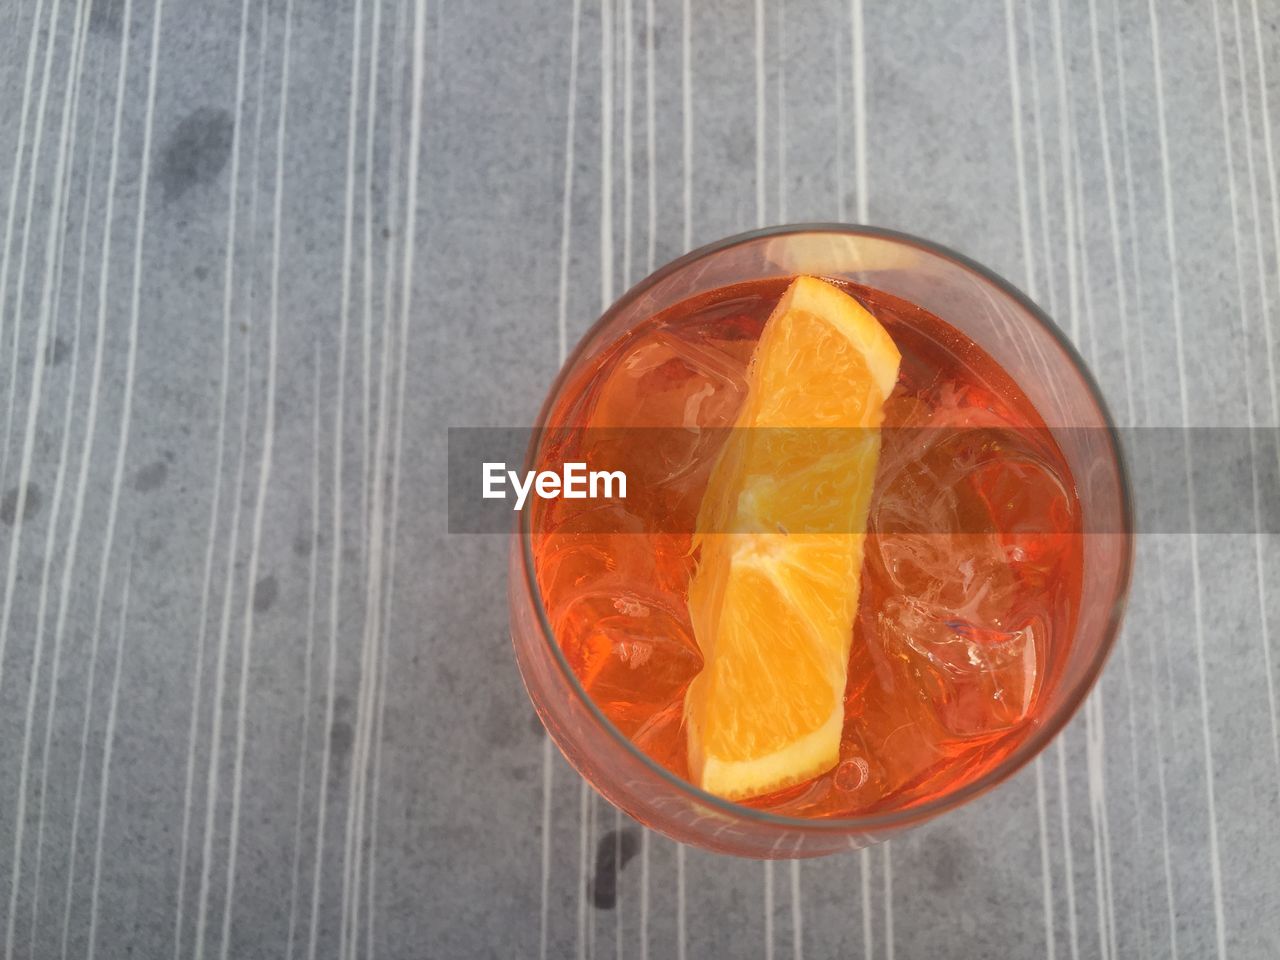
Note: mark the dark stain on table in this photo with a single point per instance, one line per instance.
(264, 593)
(613, 853)
(196, 151)
(30, 504)
(151, 477)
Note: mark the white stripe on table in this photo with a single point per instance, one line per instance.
(73, 534)
(1215, 865)
(52, 272)
(108, 743)
(103, 290)
(20, 284)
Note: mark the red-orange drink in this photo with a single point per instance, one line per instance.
(972, 572)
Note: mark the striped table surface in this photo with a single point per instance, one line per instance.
(257, 255)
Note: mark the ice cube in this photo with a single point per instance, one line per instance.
(958, 627)
(633, 652)
(659, 418)
(661, 738)
(671, 381)
(970, 530)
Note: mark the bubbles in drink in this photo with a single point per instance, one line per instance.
(850, 774)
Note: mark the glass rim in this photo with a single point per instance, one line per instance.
(1039, 737)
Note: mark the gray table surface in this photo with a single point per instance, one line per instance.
(257, 702)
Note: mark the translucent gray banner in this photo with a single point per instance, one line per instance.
(961, 480)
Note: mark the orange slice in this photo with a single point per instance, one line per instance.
(781, 531)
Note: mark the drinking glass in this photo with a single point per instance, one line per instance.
(1018, 336)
